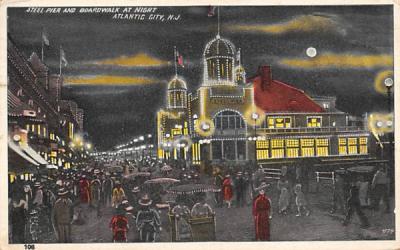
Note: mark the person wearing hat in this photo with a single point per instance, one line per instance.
(338, 195)
(118, 194)
(201, 208)
(38, 198)
(107, 188)
(181, 214)
(218, 180)
(119, 225)
(240, 187)
(62, 216)
(95, 192)
(262, 213)
(84, 186)
(134, 199)
(28, 196)
(380, 188)
(353, 205)
(147, 220)
(227, 190)
(18, 218)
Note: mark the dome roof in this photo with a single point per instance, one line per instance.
(177, 83)
(219, 46)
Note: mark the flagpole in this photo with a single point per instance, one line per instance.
(176, 68)
(60, 59)
(42, 48)
(218, 20)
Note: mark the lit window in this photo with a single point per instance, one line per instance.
(342, 146)
(292, 148)
(279, 122)
(262, 144)
(322, 146)
(277, 148)
(314, 122)
(176, 131)
(307, 147)
(262, 149)
(363, 145)
(352, 146)
(262, 154)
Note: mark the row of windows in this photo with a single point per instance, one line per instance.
(353, 146)
(225, 69)
(177, 98)
(37, 129)
(229, 120)
(310, 147)
(286, 122)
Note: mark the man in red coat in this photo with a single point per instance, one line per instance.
(262, 214)
(84, 190)
(227, 190)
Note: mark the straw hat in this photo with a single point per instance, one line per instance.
(262, 186)
(38, 184)
(135, 190)
(145, 200)
(62, 191)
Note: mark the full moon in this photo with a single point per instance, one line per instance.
(311, 52)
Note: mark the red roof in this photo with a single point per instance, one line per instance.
(275, 96)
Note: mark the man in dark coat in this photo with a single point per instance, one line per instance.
(147, 220)
(239, 189)
(380, 188)
(62, 216)
(353, 205)
(218, 180)
(107, 187)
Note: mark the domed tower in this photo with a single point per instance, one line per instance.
(219, 62)
(177, 94)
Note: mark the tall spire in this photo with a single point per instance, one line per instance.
(218, 36)
(176, 67)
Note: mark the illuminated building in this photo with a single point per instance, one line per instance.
(232, 119)
(39, 126)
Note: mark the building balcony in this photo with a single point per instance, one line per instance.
(235, 133)
(322, 130)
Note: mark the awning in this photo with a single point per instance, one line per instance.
(33, 154)
(16, 149)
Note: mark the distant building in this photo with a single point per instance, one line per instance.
(229, 118)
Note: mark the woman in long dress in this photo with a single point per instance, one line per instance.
(227, 190)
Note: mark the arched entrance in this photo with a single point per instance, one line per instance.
(228, 140)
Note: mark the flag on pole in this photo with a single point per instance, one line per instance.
(63, 58)
(45, 38)
(238, 55)
(211, 11)
(179, 59)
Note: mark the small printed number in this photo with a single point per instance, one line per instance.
(29, 246)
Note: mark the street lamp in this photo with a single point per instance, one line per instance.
(205, 126)
(255, 116)
(389, 84)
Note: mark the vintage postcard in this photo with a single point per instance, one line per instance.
(241, 125)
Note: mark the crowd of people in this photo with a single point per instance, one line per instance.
(52, 203)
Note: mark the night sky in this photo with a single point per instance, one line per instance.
(118, 69)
